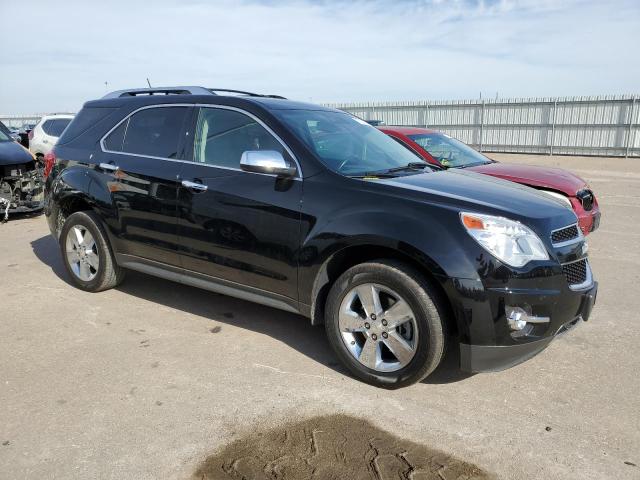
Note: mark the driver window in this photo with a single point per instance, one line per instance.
(222, 136)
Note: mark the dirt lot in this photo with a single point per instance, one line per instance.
(157, 380)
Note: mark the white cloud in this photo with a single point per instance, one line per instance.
(326, 51)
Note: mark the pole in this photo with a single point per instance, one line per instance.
(553, 127)
(481, 125)
(631, 117)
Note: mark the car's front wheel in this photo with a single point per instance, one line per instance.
(87, 255)
(385, 323)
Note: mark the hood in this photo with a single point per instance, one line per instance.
(535, 176)
(465, 190)
(12, 153)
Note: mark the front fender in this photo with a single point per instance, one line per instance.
(426, 238)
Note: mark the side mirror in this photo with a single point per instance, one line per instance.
(266, 161)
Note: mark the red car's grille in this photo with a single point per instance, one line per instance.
(586, 199)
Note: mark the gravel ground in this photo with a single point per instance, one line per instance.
(151, 379)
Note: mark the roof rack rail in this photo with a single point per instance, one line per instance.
(242, 92)
(193, 90)
(134, 92)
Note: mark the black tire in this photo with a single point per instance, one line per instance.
(108, 274)
(429, 314)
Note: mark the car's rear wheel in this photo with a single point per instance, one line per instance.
(87, 255)
(385, 323)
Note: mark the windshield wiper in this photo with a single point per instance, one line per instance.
(409, 166)
(383, 174)
(389, 173)
(472, 165)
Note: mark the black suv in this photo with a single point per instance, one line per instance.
(311, 210)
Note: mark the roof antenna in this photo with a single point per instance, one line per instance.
(149, 83)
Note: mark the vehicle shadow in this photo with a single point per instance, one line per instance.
(47, 250)
(449, 369)
(21, 216)
(289, 328)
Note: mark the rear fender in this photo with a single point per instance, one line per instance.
(79, 188)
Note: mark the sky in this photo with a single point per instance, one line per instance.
(58, 55)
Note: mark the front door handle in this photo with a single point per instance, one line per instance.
(110, 167)
(199, 187)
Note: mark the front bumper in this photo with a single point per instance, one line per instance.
(491, 358)
(489, 340)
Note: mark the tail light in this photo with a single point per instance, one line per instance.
(30, 134)
(49, 162)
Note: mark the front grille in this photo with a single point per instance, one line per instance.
(586, 199)
(575, 272)
(565, 234)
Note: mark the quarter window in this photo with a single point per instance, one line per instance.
(114, 141)
(153, 132)
(222, 136)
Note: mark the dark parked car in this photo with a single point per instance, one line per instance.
(21, 182)
(440, 149)
(313, 211)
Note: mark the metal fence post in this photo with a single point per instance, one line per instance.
(481, 125)
(553, 127)
(631, 117)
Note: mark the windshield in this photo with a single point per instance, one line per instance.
(4, 137)
(448, 151)
(348, 145)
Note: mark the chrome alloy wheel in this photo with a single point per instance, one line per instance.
(378, 327)
(82, 253)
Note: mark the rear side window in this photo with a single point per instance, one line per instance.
(154, 132)
(55, 127)
(222, 136)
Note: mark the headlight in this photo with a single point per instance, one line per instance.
(508, 240)
(559, 196)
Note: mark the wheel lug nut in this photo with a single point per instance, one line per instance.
(384, 322)
(353, 342)
(374, 336)
(366, 325)
(373, 316)
(385, 334)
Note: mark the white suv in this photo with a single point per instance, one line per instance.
(45, 134)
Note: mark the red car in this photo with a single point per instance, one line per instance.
(442, 150)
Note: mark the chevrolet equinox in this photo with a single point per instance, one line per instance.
(311, 210)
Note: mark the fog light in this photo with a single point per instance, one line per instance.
(518, 318)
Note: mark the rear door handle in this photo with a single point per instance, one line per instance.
(110, 167)
(199, 187)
